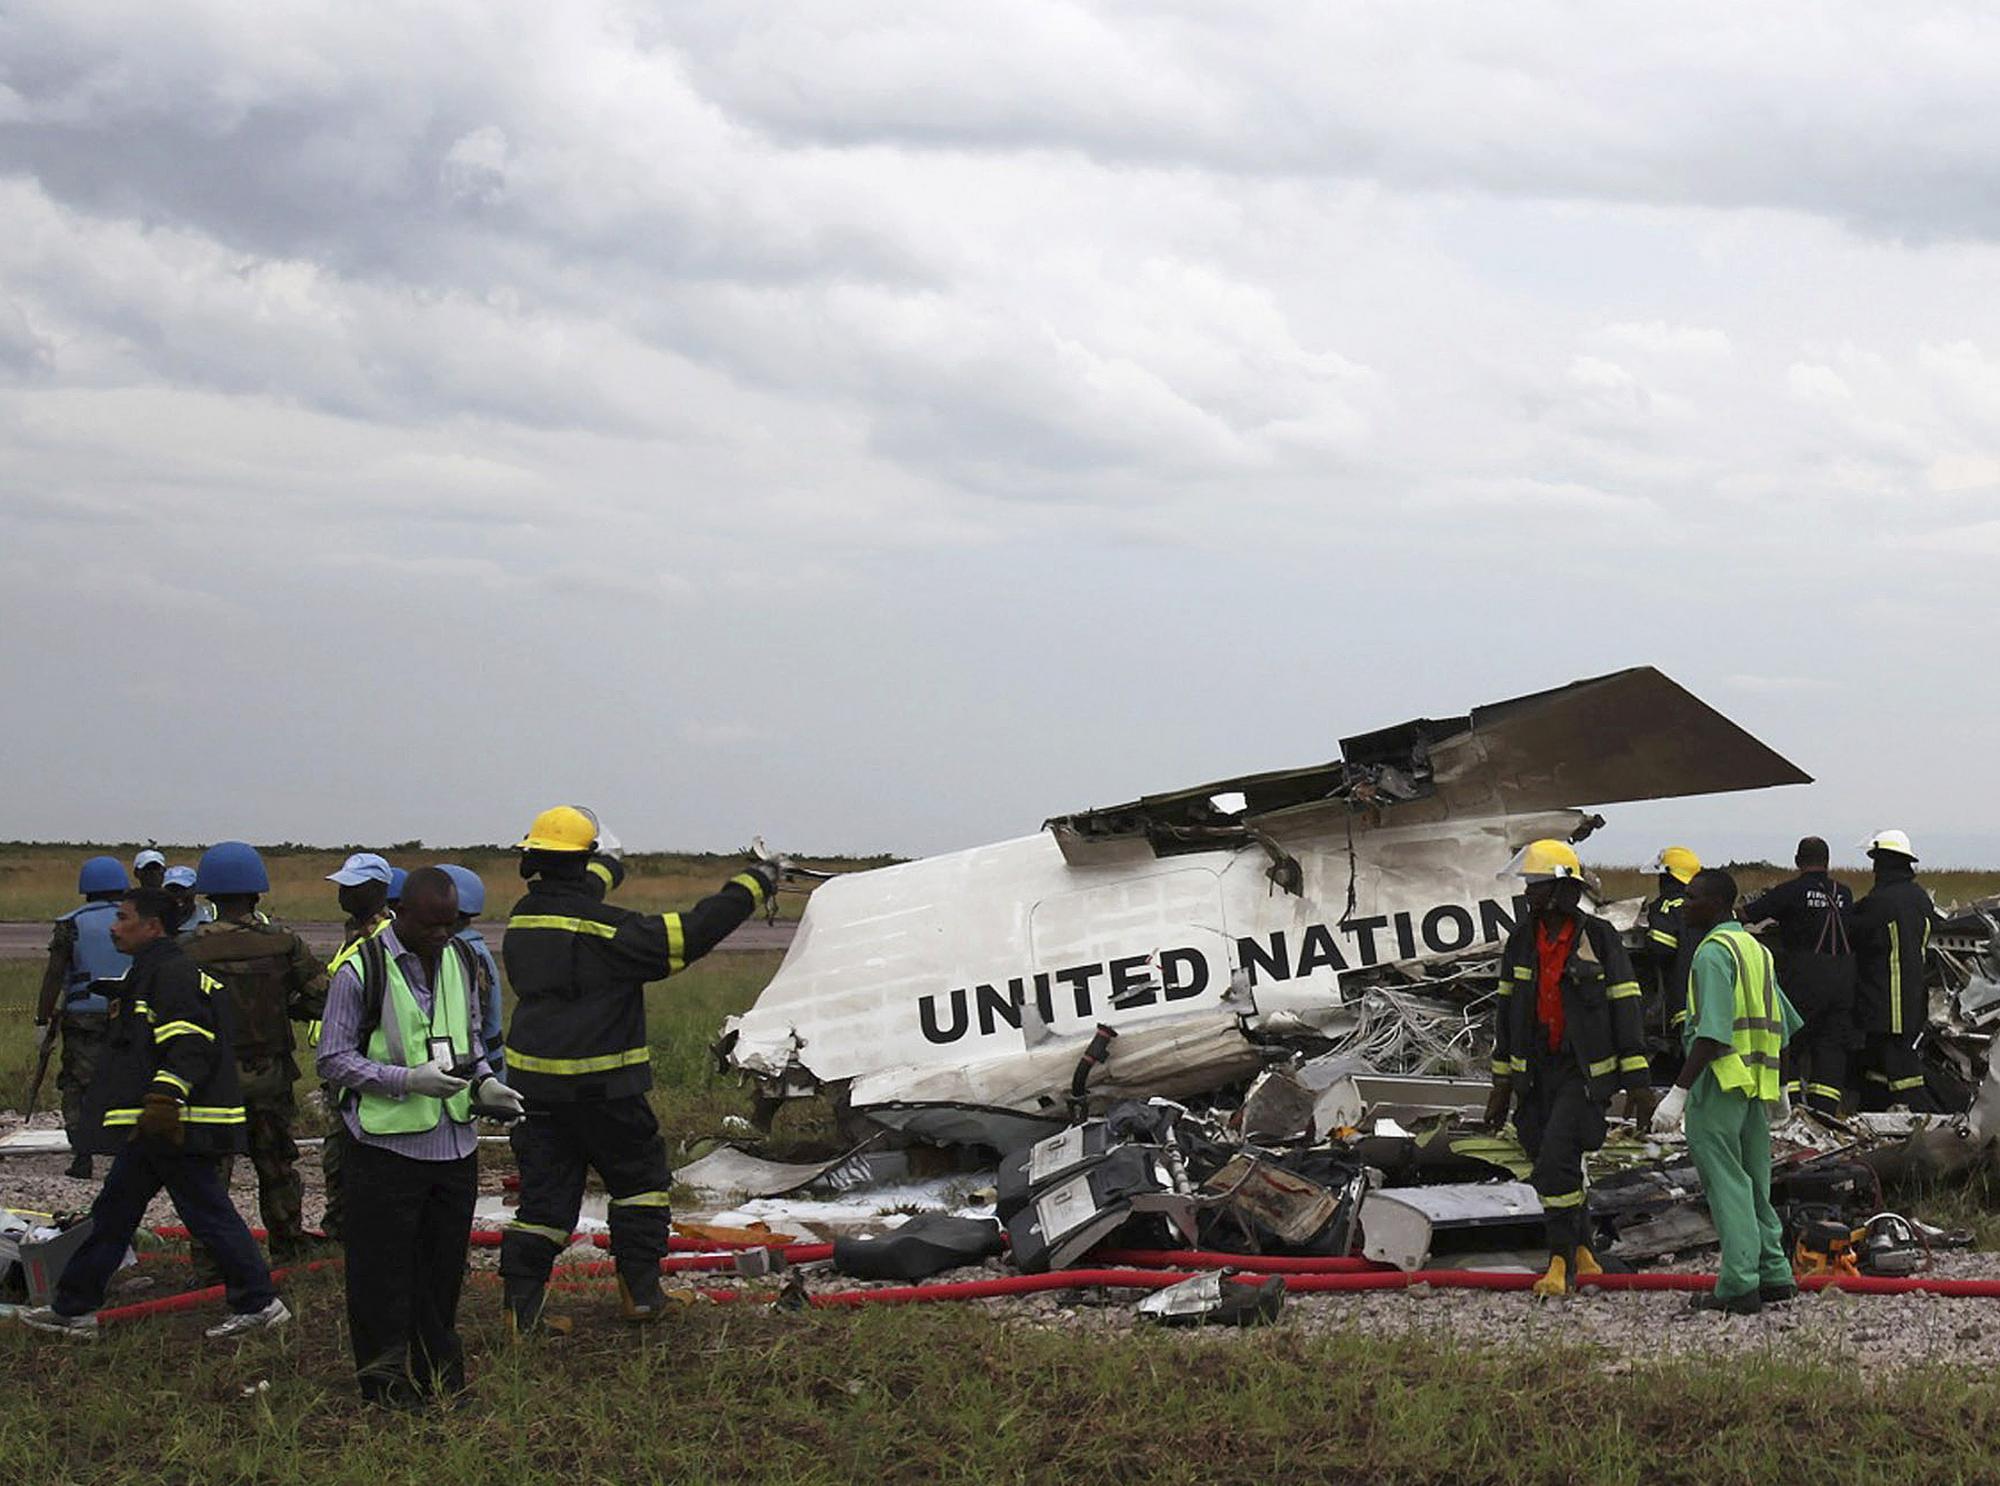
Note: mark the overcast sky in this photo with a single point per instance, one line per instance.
(885, 425)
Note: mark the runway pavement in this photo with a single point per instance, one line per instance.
(31, 940)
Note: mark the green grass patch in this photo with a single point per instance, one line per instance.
(956, 1393)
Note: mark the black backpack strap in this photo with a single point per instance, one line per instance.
(372, 964)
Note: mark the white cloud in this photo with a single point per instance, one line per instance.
(1017, 395)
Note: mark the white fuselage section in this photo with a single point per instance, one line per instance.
(976, 978)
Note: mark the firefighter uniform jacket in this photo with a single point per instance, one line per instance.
(1600, 1010)
(1891, 928)
(579, 968)
(169, 1034)
(1815, 956)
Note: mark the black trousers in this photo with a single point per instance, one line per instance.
(555, 1147)
(1819, 1054)
(1893, 1073)
(408, 1222)
(137, 1172)
(1558, 1123)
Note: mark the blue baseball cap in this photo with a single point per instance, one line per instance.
(179, 877)
(363, 866)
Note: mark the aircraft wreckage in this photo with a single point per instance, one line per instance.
(1177, 945)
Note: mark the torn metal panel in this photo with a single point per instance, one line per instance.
(973, 981)
(1293, 1207)
(1400, 1226)
(730, 1174)
(1215, 1299)
(1400, 1097)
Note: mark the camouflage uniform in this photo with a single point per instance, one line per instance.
(273, 980)
(333, 1150)
(82, 1033)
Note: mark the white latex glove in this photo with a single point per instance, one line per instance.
(1783, 1110)
(1667, 1118)
(433, 1081)
(494, 1095)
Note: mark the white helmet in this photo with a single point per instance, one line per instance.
(1896, 841)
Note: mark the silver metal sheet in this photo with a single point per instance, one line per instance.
(1398, 1224)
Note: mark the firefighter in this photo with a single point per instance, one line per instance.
(1728, 1091)
(1816, 966)
(486, 974)
(1890, 929)
(1567, 1037)
(578, 1053)
(363, 880)
(273, 980)
(1660, 959)
(163, 1105)
(83, 966)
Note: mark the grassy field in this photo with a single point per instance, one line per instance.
(39, 881)
(955, 1393)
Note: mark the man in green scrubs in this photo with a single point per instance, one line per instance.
(1730, 1088)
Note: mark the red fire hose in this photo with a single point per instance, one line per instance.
(189, 1300)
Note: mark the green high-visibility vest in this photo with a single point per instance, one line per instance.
(402, 1040)
(1750, 1067)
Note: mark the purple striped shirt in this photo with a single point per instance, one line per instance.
(341, 1063)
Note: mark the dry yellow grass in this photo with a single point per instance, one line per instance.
(39, 881)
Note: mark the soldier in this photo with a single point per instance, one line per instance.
(83, 962)
(273, 980)
(149, 868)
(179, 881)
(486, 974)
(363, 880)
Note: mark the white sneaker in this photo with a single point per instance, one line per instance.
(270, 1318)
(48, 1318)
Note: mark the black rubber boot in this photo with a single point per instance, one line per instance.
(1733, 1305)
(639, 1298)
(525, 1314)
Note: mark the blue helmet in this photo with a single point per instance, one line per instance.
(397, 877)
(229, 868)
(102, 875)
(471, 891)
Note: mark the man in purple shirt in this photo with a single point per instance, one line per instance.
(401, 1042)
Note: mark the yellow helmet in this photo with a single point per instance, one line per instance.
(1676, 862)
(1544, 860)
(561, 828)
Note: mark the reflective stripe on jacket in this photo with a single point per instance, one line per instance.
(1757, 1035)
(579, 968)
(1602, 1025)
(402, 1039)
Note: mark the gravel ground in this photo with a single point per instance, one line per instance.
(37, 1183)
(1893, 1331)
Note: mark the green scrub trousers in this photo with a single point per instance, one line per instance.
(1729, 1138)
